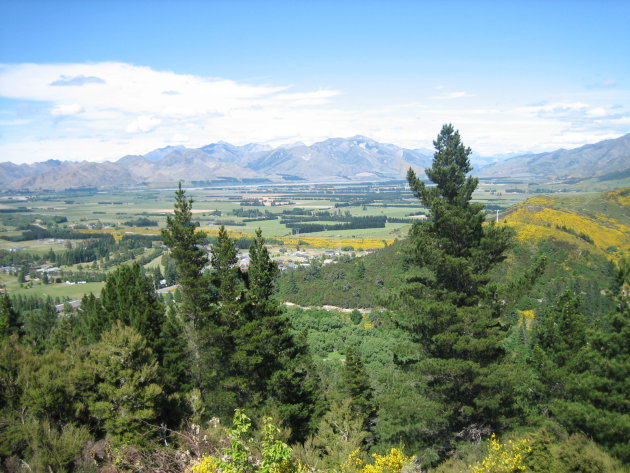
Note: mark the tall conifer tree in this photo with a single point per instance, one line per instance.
(452, 311)
(185, 242)
(195, 309)
(9, 318)
(356, 385)
(269, 367)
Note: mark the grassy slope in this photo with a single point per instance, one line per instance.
(573, 263)
(603, 218)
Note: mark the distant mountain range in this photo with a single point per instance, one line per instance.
(333, 160)
(606, 158)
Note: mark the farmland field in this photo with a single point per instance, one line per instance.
(313, 218)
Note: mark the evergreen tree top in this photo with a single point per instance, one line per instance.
(448, 172)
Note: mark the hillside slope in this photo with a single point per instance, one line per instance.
(596, 223)
(605, 158)
(580, 236)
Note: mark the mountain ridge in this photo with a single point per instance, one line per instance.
(590, 160)
(354, 159)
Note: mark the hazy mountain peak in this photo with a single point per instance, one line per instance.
(158, 154)
(334, 159)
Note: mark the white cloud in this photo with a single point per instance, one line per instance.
(66, 109)
(78, 81)
(143, 123)
(120, 109)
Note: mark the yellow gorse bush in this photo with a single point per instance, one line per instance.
(506, 457)
(532, 221)
(526, 318)
(621, 196)
(333, 243)
(206, 465)
(393, 462)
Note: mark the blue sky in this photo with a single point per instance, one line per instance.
(101, 79)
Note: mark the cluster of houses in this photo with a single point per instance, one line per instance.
(296, 259)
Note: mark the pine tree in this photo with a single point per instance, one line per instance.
(227, 278)
(195, 308)
(157, 277)
(593, 368)
(39, 324)
(559, 334)
(92, 320)
(175, 363)
(127, 394)
(184, 242)
(129, 296)
(269, 367)
(9, 318)
(356, 385)
(452, 311)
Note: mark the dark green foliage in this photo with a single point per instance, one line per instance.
(12, 355)
(591, 371)
(92, 319)
(170, 270)
(268, 366)
(355, 383)
(185, 242)
(228, 279)
(195, 299)
(174, 355)
(129, 296)
(39, 324)
(9, 318)
(127, 394)
(261, 274)
(141, 222)
(175, 368)
(48, 383)
(451, 310)
(558, 336)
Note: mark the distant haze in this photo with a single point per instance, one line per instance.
(356, 159)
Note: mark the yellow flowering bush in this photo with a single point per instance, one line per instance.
(621, 196)
(526, 318)
(393, 462)
(332, 243)
(206, 465)
(504, 457)
(533, 222)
